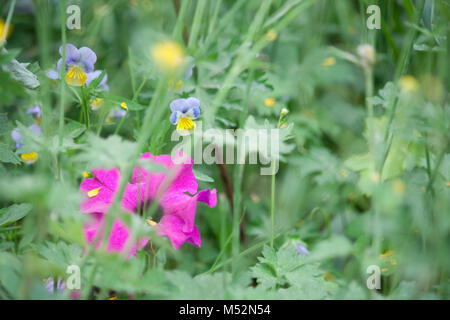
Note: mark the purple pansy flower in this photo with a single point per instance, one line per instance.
(79, 62)
(183, 112)
(177, 194)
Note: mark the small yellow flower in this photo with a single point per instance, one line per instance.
(76, 77)
(185, 126)
(384, 270)
(124, 106)
(408, 83)
(328, 62)
(344, 173)
(112, 298)
(269, 102)
(30, 157)
(96, 103)
(168, 55)
(271, 35)
(3, 28)
(398, 186)
(92, 193)
(151, 222)
(87, 174)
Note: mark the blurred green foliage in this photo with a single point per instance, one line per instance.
(350, 205)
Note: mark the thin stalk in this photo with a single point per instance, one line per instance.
(7, 23)
(178, 30)
(196, 23)
(212, 22)
(62, 83)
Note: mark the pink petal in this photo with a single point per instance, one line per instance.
(184, 205)
(183, 180)
(171, 226)
(107, 181)
(118, 236)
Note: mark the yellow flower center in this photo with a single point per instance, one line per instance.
(185, 126)
(124, 106)
(29, 158)
(168, 55)
(92, 193)
(76, 77)
(269, 102)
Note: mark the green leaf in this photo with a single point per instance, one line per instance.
(19, 72)
(6, 155)
(335, 246)
(73, 129)
(14, 213)
(202, 177)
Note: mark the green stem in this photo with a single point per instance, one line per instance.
(7, 23)
(178, 30)
(63, 84)
(272, 208)
(196, 23)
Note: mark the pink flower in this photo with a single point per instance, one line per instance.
(176, 191)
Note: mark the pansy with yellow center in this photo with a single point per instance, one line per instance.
(184, 111)
(29, 158)
(168, 55)
(79, 63)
